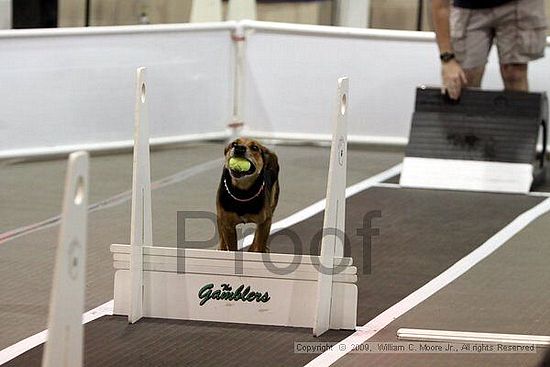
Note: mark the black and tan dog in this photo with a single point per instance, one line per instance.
(247, 197)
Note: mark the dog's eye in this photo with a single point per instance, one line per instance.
(234, 144)
(255, 148)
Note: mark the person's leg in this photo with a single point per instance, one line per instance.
(472, 39)
(474, 76)
(514, 77)
(520, 38)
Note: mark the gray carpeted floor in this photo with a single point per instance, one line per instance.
(421, 234)
(505, 293)
(26, 263)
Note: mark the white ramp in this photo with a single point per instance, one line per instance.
(65, 331)
(141, 222)
(332, 244)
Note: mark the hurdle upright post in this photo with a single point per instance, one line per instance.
(141, 221)
(65, 330)
(332, 243)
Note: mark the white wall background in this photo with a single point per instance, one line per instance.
(69, 88)
(291, 74)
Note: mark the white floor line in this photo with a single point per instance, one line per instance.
(319, 206)
(24, 345)
(107, 308)
(365, 332)
(389, 185)
(537, 193)
(397, 186)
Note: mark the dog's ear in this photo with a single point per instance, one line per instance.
(227, 147)
(271, 165)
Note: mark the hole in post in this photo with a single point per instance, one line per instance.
(79, 191)
(142, 92)
(343, 104)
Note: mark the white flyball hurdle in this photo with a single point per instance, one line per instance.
(237, 287)
(65, 331)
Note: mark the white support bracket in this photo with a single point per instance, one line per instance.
(65, 331)
(141, 222)
(332, 244)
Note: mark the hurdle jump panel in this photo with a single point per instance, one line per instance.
(190, 253)
(229, 264)
(285, 302)
(345, 277)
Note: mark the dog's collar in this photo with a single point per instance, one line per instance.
(243, 200)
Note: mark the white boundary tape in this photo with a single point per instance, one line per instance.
(365, 332)
(35, 340)
(397, 186)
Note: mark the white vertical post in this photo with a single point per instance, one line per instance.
(206, 11)
(141, 222)
(65, 331)
(241, 9)
(353, 13)
(237, 124)
(332, 244)
(5, 14)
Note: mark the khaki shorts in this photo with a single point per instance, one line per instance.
(518, 28)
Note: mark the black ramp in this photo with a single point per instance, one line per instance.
(482, 125)
(422, 233)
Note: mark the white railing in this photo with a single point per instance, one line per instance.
(67, 89)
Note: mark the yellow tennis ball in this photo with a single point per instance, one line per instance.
(239, 164)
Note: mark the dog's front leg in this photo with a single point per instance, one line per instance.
(260, 237)
(228, 236)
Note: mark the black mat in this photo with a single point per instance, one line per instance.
(422, 233)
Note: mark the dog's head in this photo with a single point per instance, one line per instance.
(260, 159)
